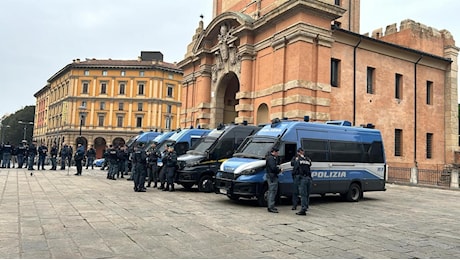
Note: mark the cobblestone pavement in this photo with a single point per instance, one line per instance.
(53, 214)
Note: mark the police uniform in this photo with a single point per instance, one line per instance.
(140, 164)
(53, 153)
(42, 151)
(272, 171)
(152, 169)
(170, 163)
(21, 154)
(113, 163)
(302, 165)
(31, 152)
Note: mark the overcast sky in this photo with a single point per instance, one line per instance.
(38, 38)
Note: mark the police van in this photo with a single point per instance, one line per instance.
(199, 165)
(346, 160)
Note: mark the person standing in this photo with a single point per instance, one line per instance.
(303, 164)
(152, 169)
(140, 163)
(31, 153)
(7, 150)
(124, 161)
(90, 156)
(53, 154)
(64, 154)
(170, 162)
(42, 151)
(21, 153)
(113, 162)
(272, 171)
(79, 155)
(295, 181)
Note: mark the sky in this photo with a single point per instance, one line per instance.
(38, 38)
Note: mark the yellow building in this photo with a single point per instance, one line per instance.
(102, 102)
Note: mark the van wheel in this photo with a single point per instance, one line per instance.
(354, 193)
(187, 186)
(206, 184)
(262, 198)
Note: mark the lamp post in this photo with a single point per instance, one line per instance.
(3, 132)
(25, 127)
(82, 110)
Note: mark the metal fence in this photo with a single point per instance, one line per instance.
(438, 177)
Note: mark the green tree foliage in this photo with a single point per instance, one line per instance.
(12, 131)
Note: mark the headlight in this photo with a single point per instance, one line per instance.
(192, 163)
(249, 172)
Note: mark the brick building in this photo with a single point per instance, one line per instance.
(258, 60)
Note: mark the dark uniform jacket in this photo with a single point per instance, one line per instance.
(272, 167)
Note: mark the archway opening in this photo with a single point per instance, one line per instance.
(226, 101)
(99, 145)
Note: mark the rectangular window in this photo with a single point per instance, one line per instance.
(429, 145)
(317, 150)
(139, 106)
(141, 73)
(398, 86)
(370, 80)
(119, 121)
(101, 120)
(335, 68)
(140, 88)
(123, 73)
(429, 93)
(86, 72)
(102, 106)
(170, 76)
(139, 122)
(168, 109)
(104, 73)
(398, 142)
(85, 88)
(168, 122)
(120, 106)
(83, 103)
(337, 2)
(83, 119)
(103, 88)
(122, 88)
(169, 90)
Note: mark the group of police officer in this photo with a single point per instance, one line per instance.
(144, 166)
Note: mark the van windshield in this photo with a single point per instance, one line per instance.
(255, 148)
(203, 145)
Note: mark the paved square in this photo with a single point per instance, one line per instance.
(54, 214)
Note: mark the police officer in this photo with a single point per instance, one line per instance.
(295, 181)
(90, 156)
(302, 165)
(31, 153)
(7, 150)
(53, 154)
(122, 162)
(140, 171)
(21, 153)
(170, 163)
(42, 151)
(113, 162)
(272, 171)
(78, 157)
(65, 153)
(152, 169)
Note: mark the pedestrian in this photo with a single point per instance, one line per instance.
(113, 162)
(295, 181)
(140, 163)
(90, 156)
(7, 150)
(14, 156)
(53, 154)
(78, 157)
(152, 165)
(42, 151)
(64, 154)
(170, 164)
(31, 153)
(303, 165)
(21, 154)
(272, 171)
(124, 161)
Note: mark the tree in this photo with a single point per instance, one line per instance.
(12, 131)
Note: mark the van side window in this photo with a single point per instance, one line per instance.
(181, 148)
(317, 150)
(374, 152)
(346, 151)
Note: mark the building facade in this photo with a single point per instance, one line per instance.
(102, 102)
(265, 59)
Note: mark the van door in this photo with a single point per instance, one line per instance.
(287, 152)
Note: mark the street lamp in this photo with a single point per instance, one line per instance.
(25, 127)
(3, 132)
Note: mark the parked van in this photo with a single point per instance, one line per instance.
(142, 138)
(345, 159)
(199, 165)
